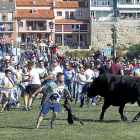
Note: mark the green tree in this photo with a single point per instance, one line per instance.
(134, 51)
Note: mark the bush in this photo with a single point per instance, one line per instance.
(80, 54)
(134, 51)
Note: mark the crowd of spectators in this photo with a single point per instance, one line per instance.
(23, 75)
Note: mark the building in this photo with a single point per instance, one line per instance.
(119, 15)
(7, 25)
(72, 24)
(101, 10)
(128, 9)
(35, 17)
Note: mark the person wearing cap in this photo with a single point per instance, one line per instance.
(136, 70)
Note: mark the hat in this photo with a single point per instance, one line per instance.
(139, 61)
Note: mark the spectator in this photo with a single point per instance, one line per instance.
(69, 78)
(116, 68)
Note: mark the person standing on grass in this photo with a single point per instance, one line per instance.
(33, 86)
(53, 100)
(69, 78)
(14, 74)
(5, 86)
(89, 75)
(42, 74)
(80, 84)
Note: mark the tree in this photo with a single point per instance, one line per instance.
(134, 51)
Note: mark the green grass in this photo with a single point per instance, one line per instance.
(17, 125)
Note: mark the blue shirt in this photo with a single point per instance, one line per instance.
(69, 74)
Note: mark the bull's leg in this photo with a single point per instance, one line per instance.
(121, 112)
(105, 106)
(138, 115)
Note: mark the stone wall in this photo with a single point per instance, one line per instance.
(128, 33)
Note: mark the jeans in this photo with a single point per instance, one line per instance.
(84, 91)
(48, 106)
(79, 90)
(3, 50)
(21, 88)
(74, 84)
(70, 88)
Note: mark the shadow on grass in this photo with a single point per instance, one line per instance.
(83, 110)
(107, 121)
(84, 120)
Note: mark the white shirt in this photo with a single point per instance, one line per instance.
(89, 74)
(2, 75)
(7, 82)
(56, 70)
(42, 72)
(25, 77)
(80, 77)
(35, 78)
(12, 72)
(136, 71)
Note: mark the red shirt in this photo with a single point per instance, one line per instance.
(115, 69)
(134, 65)
(63, 58)
(54, 48)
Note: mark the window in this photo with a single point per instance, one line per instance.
(107, 13)
(10, 16)
(59, 13)
(34, 11)
(71, 15)
(39, 36)
(21, 24)
(22, 12)
(67, 15)
(58, 38)
(10, 27)
(79, 13)
(10, 36)
(69, 39)
(31, 36)
(98, 13)
(46, 12)
(46, 35)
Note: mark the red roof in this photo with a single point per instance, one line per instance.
(40, 13)
(69, 4)
(31, 3)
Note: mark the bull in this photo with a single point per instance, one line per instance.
(117, 91)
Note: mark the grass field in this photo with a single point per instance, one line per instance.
(17, 125)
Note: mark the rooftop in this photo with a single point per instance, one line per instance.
(41, 13)
(69, 4)
(34, 3)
